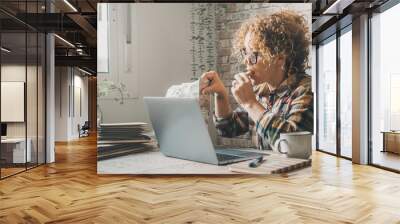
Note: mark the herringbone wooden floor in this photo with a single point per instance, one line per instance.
(70, 191)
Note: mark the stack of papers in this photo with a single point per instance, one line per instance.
(120, 139)
(190, 89)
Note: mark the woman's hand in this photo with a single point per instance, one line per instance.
(211, 83)
(242, 90)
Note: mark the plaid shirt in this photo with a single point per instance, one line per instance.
(288, 109)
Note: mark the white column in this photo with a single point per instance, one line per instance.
(314, 89)
(50, 99)
(63, 102)
(360, 90)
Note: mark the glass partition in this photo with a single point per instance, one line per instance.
(31, 99)
(41, 97)
(14, 151)
(34, 68)
(22, 88)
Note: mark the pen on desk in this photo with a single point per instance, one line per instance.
(257, 162)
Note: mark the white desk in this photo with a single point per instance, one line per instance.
(16, 147)
(154, 162)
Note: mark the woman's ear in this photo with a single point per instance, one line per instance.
(282, 63)
(281, 59)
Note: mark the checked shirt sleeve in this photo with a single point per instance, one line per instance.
(299, 116)
(235, 125)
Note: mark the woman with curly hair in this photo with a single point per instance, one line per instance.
(275, 93)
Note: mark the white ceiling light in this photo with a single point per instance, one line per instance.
(65, 41)
(337, 7)
(5, 50)
(84, 71)
(70, 5)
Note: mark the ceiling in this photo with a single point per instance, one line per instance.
(75, 21)
(76, 25)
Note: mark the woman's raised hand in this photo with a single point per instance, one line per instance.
(211, 83)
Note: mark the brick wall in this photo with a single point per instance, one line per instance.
(228, 19)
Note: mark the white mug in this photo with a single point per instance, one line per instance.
(295, 144)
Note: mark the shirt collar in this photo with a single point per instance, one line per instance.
(287, 85)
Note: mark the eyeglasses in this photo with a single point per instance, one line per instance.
(252, 57)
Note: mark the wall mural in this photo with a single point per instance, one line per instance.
(169, 52)
(203, 38)
(107, 87)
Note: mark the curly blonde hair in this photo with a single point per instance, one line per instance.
(284, 33)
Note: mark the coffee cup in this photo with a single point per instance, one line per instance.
(295, 144)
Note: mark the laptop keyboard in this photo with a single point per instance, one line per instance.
(224, 157)
(240, 152)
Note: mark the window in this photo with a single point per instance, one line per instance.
(346, 92)
(327, 95)
(385, 88)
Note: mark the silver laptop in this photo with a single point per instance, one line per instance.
(182, 132)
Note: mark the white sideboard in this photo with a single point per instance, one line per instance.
(17, 147)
